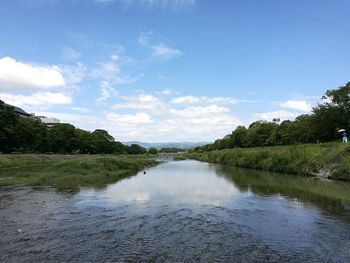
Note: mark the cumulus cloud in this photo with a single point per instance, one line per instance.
(151, 117)
(281, 114)
(19, 75)
(164, 52)
(205, 122)
(299, 105)
(141, 101)
(201, 114)
(37, 99)
(129, 119)
(182, 125)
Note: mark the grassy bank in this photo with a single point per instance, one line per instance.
(68, 171)
(327, 160)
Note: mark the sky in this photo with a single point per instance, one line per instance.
(171, 71)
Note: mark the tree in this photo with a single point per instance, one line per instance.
(63, 138)
(8, 122)
(239, 136)
(152, 150)
(31, 135)
(321, 125)
(104, 134)
(260, 133)
(136, 149)
(333, 113)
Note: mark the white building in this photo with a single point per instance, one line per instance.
(49, 121)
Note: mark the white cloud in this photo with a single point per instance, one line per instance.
(170, 124)
(81, 109)
(281, 114)
(74, 74)
(222, 100)
(70, 54)
(299, 105)
(206, 100)
(142, 102)
(195, 114)
(112, 72)
(106, 92)
(115, 57)
(165, 52)
(185, 100)
(128, 119)
(37, 100)
(151, 117)
(14, 74)
(167, 92)
(106, 70)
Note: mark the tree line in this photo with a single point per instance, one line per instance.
(28, 135)
(321, 125)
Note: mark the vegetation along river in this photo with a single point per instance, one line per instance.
(180, 211)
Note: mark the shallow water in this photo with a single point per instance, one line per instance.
(183, 211)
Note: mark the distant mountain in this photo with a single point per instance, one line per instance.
(159, 145)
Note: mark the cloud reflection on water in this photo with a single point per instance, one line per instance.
(187, 182)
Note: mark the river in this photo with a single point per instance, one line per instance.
(180, 211)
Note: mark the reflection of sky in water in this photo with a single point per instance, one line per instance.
(187, 182)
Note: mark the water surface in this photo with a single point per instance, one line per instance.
(184, 211)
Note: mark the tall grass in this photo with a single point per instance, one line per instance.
(71, 172)
(304, 160)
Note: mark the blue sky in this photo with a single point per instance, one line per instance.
(162, 70)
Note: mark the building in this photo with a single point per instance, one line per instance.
(17, 110)
(49, 122)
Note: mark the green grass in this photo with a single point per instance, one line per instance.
(306, 160)
(66, 172)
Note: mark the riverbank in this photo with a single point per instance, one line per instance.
(329, 160)
(69, 171)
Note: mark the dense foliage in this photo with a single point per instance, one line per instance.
(322, 125)
(19, 134)
(171, 150)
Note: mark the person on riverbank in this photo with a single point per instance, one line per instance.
(344, 136)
